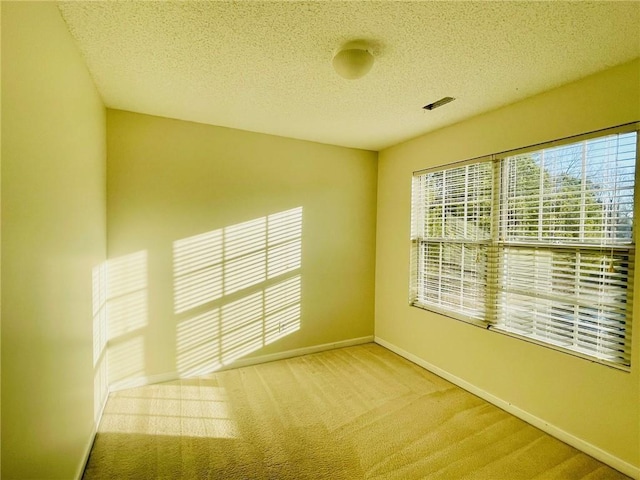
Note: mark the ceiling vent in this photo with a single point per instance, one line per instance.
(439, 103)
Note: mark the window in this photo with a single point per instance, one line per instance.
(536, 243)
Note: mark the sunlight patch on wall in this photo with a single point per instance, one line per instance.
(100, 335)
(285, 242)
(244, 255)
(127, 316)
(197, 270)
(173, 410)
(99, 277)
(282, 309)
(198, 338)
(242, 327)
(240, 287)
(127, 294)
(126, 360)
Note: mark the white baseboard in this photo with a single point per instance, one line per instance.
(586, 447)
(142, 381)
(241, 362)
(245, 362)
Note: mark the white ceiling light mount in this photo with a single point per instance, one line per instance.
(353, 60)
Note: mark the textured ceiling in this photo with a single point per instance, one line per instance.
(266, 66)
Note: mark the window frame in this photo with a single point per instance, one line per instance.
(496, 245)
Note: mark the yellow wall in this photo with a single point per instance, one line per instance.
(53, 235)
(190, 294)
(597, 404)
(226, 244)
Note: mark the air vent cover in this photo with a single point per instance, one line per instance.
(439, 103)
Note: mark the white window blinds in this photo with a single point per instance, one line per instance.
(453, 231)
(536, 244)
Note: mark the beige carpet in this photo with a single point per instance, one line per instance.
(354, 413)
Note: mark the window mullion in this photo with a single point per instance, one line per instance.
(576, 289)
(493, 254)
(541, 196)
(443, 217)
(583, 192)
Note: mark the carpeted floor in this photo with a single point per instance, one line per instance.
(353, 413)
